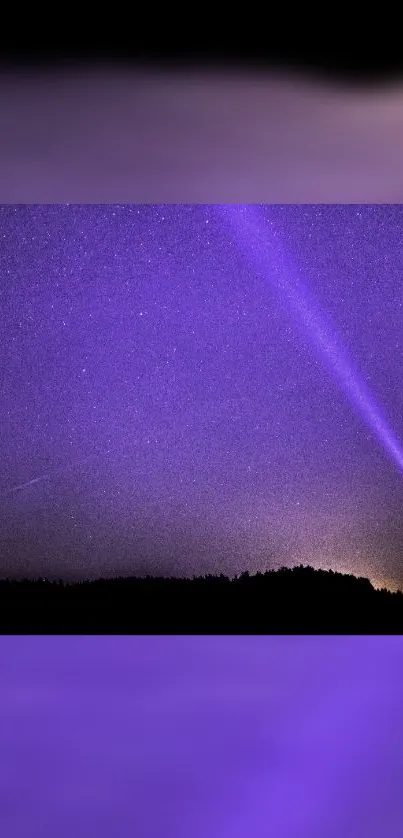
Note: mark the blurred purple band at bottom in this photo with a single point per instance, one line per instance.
(201, 737)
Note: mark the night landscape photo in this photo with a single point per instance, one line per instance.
(201, 418)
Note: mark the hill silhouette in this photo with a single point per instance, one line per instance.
(298, 600)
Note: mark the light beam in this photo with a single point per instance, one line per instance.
(262, 247)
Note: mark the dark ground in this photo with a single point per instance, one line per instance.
(299, 600)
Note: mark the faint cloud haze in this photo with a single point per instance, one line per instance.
(110, 134)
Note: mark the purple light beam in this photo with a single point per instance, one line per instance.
(261, 246)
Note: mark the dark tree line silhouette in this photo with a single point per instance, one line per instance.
(285, 601)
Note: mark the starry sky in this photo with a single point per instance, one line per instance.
(201, 388)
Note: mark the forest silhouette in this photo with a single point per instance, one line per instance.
(294, 600)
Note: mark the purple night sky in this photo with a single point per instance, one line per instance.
(199, 388)
(201, 737)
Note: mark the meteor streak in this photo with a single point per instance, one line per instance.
(262, 248)
(54, 472)
(22, 486)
